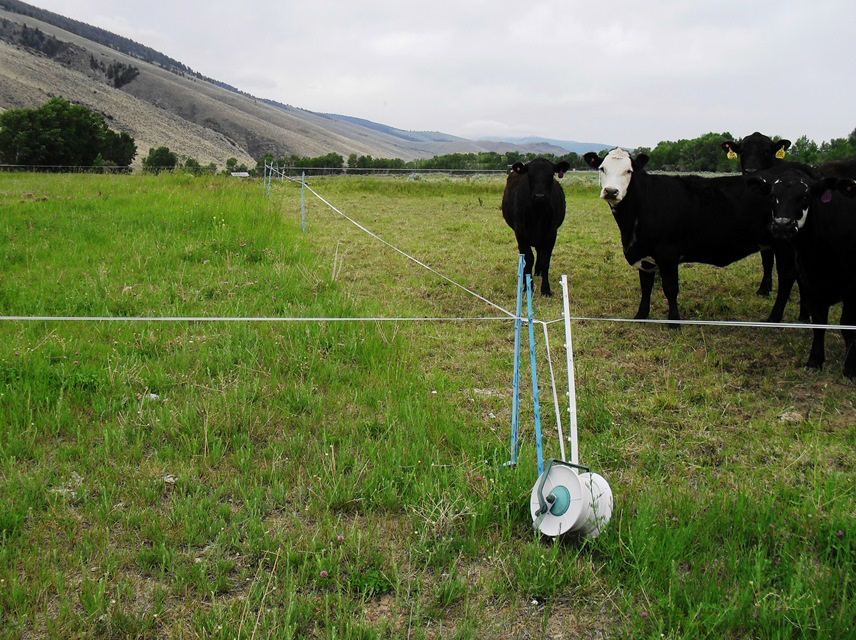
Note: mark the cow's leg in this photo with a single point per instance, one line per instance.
(820, 315)
(805, 300)
(528, 258)
(786, 269)
(669, 275)
(542, 264)
(646, 284)
(848, 317)
(767, 261)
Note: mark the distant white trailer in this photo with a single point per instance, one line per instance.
(240, 174)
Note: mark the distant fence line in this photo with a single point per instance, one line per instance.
(291, 170)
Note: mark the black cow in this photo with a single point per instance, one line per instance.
(845, 168)
(666, 220)
(758, 152)
(818, 216)
(533, 205)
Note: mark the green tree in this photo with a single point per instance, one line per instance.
(232, 166)
(61, 134)
(119, 148)
(192, 165)
(158, 159)
(804, 150)
(836, 149)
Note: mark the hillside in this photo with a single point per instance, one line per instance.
(161, 102)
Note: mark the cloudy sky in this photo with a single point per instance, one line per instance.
(629, 73)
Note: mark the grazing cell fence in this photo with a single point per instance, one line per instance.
(273, 172)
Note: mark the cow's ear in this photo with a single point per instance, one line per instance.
(847, 186)
(640, 161)
(758, 185)
(518, 167)
(783, 145)
(824, 187)
(561, 168)
(592, 159)
(731, 148)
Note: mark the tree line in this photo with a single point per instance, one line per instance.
(705, 153)
(702, 154)
(61, 134)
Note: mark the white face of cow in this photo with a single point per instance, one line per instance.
(615, 173)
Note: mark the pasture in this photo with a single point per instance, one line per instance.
(343, 479)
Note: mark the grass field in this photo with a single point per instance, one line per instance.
(344, 479)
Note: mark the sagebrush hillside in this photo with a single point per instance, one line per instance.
(161, 102)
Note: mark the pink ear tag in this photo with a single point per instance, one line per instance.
(826, 198)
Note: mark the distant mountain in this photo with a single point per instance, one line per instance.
(568, 145)
(410, 136)
(161, 102)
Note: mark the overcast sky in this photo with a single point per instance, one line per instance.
(628, 73)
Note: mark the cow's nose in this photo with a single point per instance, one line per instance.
(783, 228)
(539, 196)
(610, 193)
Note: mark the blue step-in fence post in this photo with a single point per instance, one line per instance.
(535, 399)
(515, 389)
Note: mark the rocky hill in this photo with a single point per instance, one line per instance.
(160, 102)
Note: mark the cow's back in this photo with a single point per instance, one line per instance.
(710, 220)
(508, 198)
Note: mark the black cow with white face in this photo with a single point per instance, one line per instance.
(818, 216)
(666, 220)
(533, 205)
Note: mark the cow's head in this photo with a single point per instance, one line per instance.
(791, 198)
(540, 174)
(615, 171)
(757, 151)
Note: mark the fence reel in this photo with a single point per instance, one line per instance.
(567, 498)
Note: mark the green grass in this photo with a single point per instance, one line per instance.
(343, 479)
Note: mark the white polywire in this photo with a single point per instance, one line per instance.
(572, 394)
(555, 394)
(406, 255)
(713, 323)
(239, 319)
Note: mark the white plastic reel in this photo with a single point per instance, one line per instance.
(564, 502)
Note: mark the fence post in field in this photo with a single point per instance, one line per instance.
(515, 390)
(303, 201)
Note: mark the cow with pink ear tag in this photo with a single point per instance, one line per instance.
(818, 217)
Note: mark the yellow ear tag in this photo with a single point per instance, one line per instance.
(731, 155)
(780, 154)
